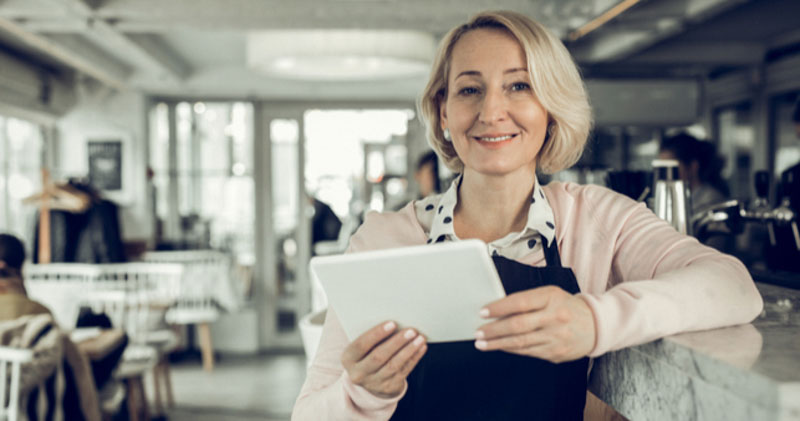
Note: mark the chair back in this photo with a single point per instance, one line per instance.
(206, 278)
(135, 296)
(61, 287)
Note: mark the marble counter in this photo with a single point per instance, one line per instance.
(746, 372)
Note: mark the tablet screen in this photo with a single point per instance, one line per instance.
(437, 289)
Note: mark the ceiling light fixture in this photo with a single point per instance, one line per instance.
(340, 55)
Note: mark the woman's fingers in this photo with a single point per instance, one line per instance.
(564, 330)
(521, 302)
(399, 362)
(367, 341)
(539, 344)
(380, 359)
(515, 342)
(412, 362)
(514, 325)
(384, 352)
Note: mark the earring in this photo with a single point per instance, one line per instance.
(446, 134)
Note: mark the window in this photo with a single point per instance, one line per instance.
(20, 174)
(212, 167)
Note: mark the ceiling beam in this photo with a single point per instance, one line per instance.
(51, 25)
(616, 42)
(705, 53)
(437, 17)
(169, 61)
(74, 53)
(145, 51)
(792, 37)
(77, 7)
(24, 9)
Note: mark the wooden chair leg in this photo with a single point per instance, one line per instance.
(168, 383)
(133, 400)
(142, 393)
(206, 348)
(157, 388)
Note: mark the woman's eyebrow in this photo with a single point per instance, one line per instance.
(477, 73)
(468, 73)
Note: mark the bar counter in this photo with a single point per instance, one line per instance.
(746, 372)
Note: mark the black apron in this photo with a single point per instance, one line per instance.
(455, 381)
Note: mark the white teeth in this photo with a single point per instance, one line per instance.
(495, 139)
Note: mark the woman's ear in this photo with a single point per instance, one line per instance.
(442, 116)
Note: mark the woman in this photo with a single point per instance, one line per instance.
(699, 166)
(14, 301)
(504, 100)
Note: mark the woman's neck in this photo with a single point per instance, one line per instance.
(491, 207)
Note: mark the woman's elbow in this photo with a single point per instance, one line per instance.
(756, 304)
(751, 304)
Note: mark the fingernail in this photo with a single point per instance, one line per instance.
(484, 312)
(419, 341)
(479, 334)
(410, 334)
(389, 326)
(480, 344)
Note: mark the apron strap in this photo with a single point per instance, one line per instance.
(551, 255)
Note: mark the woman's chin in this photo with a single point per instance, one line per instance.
(501, 169)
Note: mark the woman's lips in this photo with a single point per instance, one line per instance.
(495, 140)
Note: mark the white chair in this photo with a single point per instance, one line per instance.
(311, 332)
(11, 358)
(61, 287)
(206, 283)
(136, 296)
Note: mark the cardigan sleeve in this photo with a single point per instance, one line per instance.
(661, 282)
(328, 393)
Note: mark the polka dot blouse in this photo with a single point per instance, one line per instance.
(435, 214)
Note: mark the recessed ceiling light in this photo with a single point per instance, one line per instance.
(344, 55)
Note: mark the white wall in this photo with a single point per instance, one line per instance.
(106, 115)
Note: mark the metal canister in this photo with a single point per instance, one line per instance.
(671, 196)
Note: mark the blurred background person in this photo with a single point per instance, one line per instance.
(14, 301)
(427, 175)
(700, 167)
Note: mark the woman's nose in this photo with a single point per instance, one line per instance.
(493, 107)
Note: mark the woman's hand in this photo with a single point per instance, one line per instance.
(382, 358)
(546, 322)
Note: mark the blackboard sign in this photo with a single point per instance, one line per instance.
(105, 164)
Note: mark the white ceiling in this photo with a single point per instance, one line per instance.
(197, 47)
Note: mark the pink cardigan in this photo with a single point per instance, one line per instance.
(641, 278)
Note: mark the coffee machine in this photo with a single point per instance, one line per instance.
(779, 248)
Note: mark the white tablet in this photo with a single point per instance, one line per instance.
(437, 289)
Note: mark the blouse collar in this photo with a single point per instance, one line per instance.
(540, 217)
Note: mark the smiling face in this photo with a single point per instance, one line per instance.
(496, 123)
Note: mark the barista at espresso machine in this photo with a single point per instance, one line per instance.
(782, 252)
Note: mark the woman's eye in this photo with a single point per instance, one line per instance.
(520, 86)
(468, 91)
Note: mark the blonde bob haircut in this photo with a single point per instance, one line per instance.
(555, 82)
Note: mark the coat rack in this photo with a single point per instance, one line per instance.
(54, 197)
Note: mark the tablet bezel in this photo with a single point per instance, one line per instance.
(437, 289)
